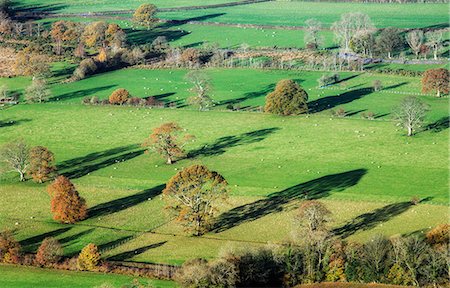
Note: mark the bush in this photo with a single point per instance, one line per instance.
(377, 85)
(89, 258)
(326, 80)
(439, 235)
(369, 115)
(50, 252)
(86, 67)
(134, 101)
(119, 96)
(288, 98)
(86, 100)
(94, 100)
(340, 112)
(152, 101)
(9, 248)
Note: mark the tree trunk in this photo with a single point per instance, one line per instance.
(438, 93)
(389, 54)
(22, 176)
(435, 54)
(409, 131)
(169, 160)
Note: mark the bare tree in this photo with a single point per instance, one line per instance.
(202, 85)
(415, 40)
(349, 25)
(435, 40)
(312, 38)
(410, 114)
(15, 154)
(37, 91)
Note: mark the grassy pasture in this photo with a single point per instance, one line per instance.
(16, 276)
(295, 13)
(368, 191)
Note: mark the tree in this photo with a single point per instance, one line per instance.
(9, 248)
(114, 35)
(435, 40)
(375, 257)
(349, 25)
(37, 91)
(202, 85)
(89, 258)
(3, 92)
(16, 155)
(288, 98)
(145, 15)
(190, 57)
(63, 31)
(50, 252)
(363, 42)
(168, 141)
(312, 38)
(42, 164)
(415, 40)
(94, 34)
(119, 96)
(313, 216)
(389, 40)
(436, 80)
(194, 194)
(66, 205)
(410, 114)
(29, 62)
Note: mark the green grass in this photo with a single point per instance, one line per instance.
(295, 13)
(17, 276)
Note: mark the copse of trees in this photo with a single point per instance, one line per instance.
(389, 41)
(168, 140)
(436, 80)
(194, 194)
(349, 25)
(288, 98)
(66, 204)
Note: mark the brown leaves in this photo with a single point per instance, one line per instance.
(436, 80)
(119, 96)
(288, 98)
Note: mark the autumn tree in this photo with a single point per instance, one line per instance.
(42, 164)
(201, 86)
(190, 57)
(349, 25)
(410, 114)
(119, 96)
(145, 15)
(194, 194)
(439, 236)
(436, 80)
(435, 40)
(288, 98)
(15, 155)
(312, 38)
(389, 40)
(29, 62)
(89, 258)
(66, 205)
(114, 36)
(50, 252)
(9, 248)
(63, 31)
(94, 34)
(415, 40)
(38, 91)
(168, 141)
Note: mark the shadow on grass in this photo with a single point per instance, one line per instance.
(251, 95)
(330, 102)
(141, 37)
(174, 23)
(223, 143)
(34, 242)
(124, 202)
(74, 237)
(438, 126)
(81, 93)
(81, 166)
(9, 123)
(314, 189)
(132, 253)
(113, 244)
(372, 219)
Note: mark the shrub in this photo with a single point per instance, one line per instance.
(86, 100)
(152, 101)
(134, 101)
(377, 85)
(326, 80)
(119, 96)
(86, 67)
(50, 252)
(369, 115)
(89, 258)
(94, 100)
(439, 235)
(288, 98)
(9, 248)
(340, 112)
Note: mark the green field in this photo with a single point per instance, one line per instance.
(368, 190)
(14, 276)
(295, 13)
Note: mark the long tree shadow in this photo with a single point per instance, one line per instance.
(251, 95)
(223, 143)
(132, 253)
(76, 236)
(81, 166)
(141, 37)
(314, 189)
(9, 123)
(438, 126)
(113, 244)
(174, 23)
(81, 93)
(369, 220)
(33, 243)
(124, 202)
(329, 102)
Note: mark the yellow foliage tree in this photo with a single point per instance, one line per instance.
(89, 258)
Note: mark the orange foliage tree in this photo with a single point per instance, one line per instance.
(89, 258)
(119, 96)
(63, 31)
(288, 98)
(436, 80)
(9, 248)
(439, 235)
(50, 252)
(66, 205)
(193, 194)
(42, 166)
(168, 141)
